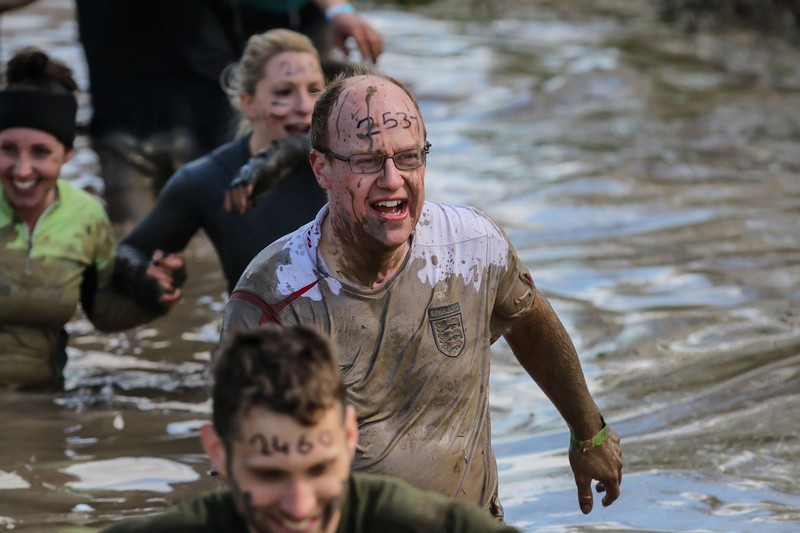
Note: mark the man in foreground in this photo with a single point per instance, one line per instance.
(414, 293)
(284, 436)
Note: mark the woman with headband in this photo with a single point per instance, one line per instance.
(56, 243)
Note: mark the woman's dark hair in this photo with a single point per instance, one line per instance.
(32, 69)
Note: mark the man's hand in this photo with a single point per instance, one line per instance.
(168, 271)
(369, 41)
(603, 463)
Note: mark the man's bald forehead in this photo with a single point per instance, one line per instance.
(367, 106)
(365, 88)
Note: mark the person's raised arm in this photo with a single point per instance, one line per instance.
(543, 347)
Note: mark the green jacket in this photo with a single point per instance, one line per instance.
(68, 257)
(373, 504)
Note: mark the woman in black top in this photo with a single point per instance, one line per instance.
(275, 86)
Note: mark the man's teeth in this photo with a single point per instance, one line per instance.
(302, 525)
(391, 203)
(24, 184)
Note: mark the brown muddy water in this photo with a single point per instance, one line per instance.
(650, 181)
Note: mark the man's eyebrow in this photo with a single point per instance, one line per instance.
(323, 462)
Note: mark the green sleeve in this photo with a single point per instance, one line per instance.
(106, 307)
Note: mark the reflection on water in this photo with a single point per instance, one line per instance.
(648, 179)
(129, 474)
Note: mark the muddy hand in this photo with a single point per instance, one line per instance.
(168, 272)
(239, 195)
(602, 463)
(239, 198)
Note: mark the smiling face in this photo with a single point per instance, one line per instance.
(30, 163)
(378, 210)
(287, 477)
(284, 97)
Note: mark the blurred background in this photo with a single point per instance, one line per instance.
(643, 159)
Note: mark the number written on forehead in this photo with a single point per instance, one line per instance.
(303, 445)
(387, 121)
(292, 68)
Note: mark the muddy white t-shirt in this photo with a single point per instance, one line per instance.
(414, 354)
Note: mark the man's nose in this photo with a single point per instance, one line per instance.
(390, 178)
(299, 500)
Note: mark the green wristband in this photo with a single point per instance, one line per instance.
(586, 445)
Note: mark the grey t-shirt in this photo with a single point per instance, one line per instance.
(414, 354)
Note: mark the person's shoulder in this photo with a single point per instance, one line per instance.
(83, 204)
(443, 224)
(231, 155)
(395, 505)
(210, 511)
(221, 163)
(285, 266)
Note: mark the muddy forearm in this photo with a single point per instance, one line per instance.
(543, 347)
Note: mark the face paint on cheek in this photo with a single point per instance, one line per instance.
(245, 499)
(278, 108)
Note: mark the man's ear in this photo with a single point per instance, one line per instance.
(214, 448)
(351, 429)
(321, 167)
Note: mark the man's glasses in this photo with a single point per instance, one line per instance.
(368, 163)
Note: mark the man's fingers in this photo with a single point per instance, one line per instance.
(232, 201)
(365, 46)
(612, 493)
(375, 45)
(238, 198)
(585, 499)
(169, 299)
(246, 200)
(174, 262)
(370, 43)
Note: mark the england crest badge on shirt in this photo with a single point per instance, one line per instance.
(448, 329)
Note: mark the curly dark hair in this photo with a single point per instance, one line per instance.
(292, 371)
(32, 69)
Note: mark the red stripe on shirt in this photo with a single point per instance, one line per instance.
(270, 312)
